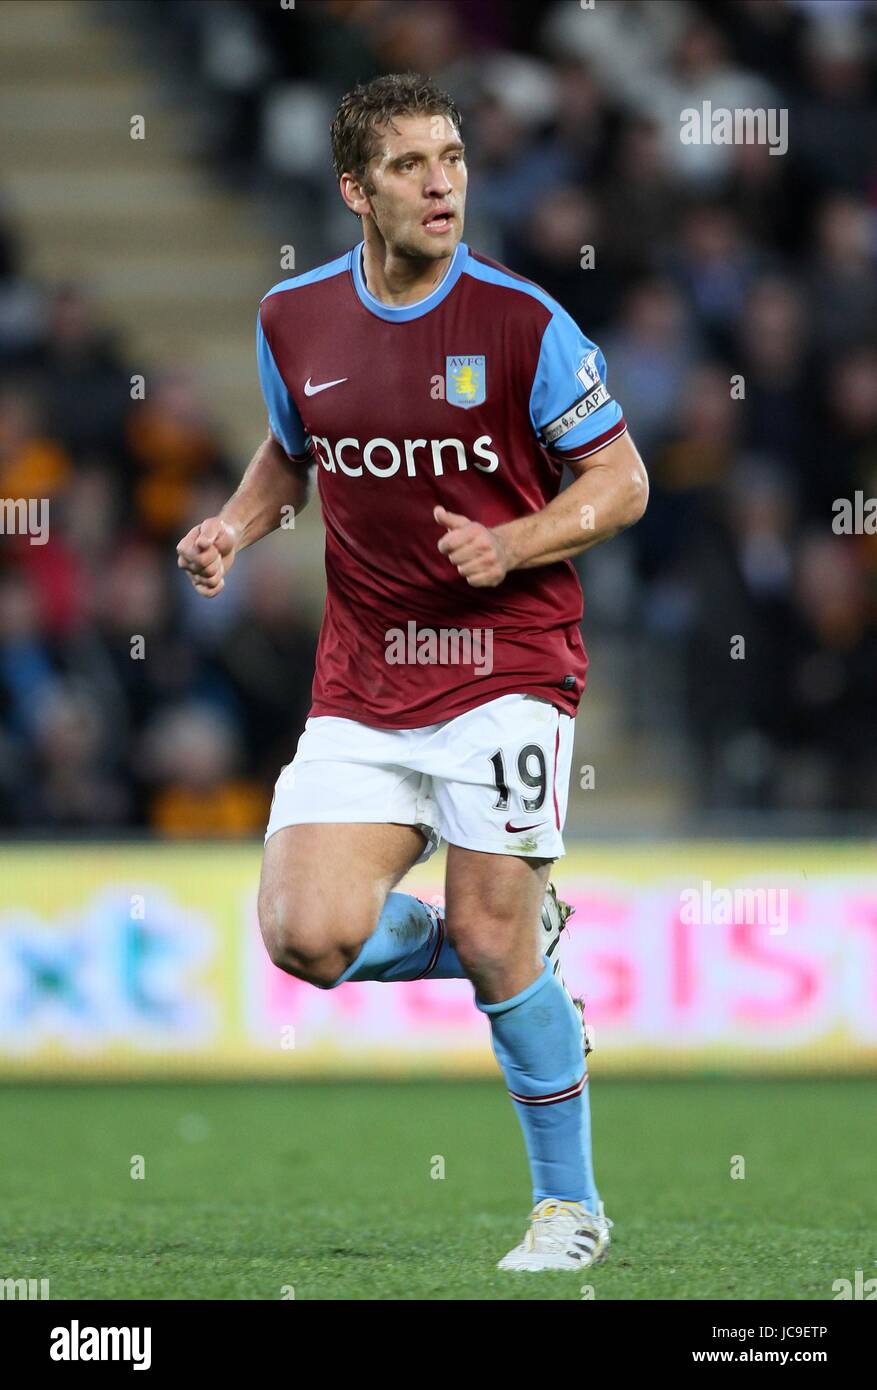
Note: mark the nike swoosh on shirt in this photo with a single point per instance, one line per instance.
(516, 829)
(324, 386)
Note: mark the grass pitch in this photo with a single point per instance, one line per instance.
(253, 1189)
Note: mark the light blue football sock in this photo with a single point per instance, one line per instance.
(537, 1040)
(409, 943)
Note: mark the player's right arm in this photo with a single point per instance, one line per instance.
(277, 484)
(273, 488)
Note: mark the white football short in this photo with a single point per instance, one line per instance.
(495, 779)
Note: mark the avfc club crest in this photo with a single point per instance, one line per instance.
(465, 380)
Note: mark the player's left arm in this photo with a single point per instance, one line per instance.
(610, 493)
(578, 423)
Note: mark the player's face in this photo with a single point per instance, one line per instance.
(418, 187)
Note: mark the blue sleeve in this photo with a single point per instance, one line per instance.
(570, 405)
(283, 417)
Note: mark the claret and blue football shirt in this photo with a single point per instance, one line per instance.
(471, 399)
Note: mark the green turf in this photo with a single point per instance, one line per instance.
(327, 1188)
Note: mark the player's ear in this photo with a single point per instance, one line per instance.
(354, 195)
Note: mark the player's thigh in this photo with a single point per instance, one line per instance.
(323, 886)
(342, 831)
(493, 910)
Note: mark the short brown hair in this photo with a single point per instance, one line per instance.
(371, 105)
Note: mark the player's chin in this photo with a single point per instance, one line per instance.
(438, 245)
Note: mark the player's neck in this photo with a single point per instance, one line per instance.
(397, 280)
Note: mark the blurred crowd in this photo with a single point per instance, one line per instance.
(125, 701)
(733, 292)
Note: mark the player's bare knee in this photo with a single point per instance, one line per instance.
(292, 943)
(306, 944)
(489, 954)
(480, 947)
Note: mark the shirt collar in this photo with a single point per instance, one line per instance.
(400, 313)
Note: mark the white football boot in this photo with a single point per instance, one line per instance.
(555, 915)
(562, 1235)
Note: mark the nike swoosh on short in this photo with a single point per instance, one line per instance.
(324, 386)
(516, 829)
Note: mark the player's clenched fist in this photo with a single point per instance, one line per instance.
(477, 552)
(207, 553)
